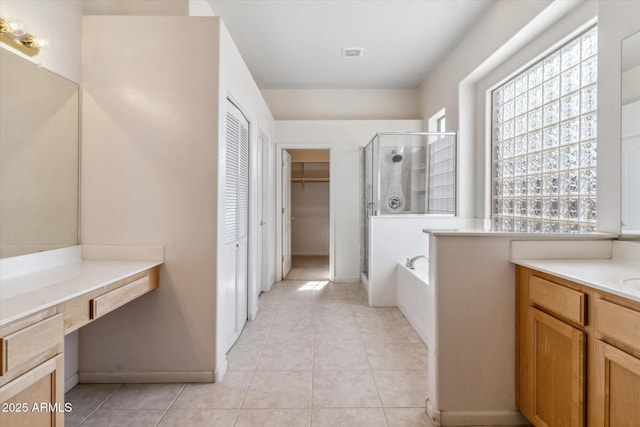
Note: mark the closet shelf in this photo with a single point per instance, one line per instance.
(303, 180)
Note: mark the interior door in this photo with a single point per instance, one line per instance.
(242, 261)
(286, 213)
(264, 214)
(234, 265)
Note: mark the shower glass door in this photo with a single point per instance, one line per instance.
(368, 205)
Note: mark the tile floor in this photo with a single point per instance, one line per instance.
(316, 355)
(309, 267)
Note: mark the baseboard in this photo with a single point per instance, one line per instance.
(220, 371)
(346, 279)
(71, 382)
(147, 377)
(484, 418)
(364, 281)
(432, 413)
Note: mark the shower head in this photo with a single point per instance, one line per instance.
(397, 157)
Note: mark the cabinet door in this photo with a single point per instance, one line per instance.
(617, 387)
(558, 362)
(36, 398)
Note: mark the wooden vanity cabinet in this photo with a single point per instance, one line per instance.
(31, 351)
(577, 354)
(616, 386)
(32, 370)
(551, 352)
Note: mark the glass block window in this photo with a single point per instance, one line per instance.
(544, 130)
(442, 175)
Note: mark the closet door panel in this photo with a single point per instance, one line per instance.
(242, 227)
(234, 257)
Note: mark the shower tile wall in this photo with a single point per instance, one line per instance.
(395, 176)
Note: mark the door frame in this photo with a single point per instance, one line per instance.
(279, 229)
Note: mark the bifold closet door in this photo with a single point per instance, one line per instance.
(236, 222)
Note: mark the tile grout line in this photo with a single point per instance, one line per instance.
(255, 368)
(101, 403)
(313, 353)
(171, 404)
(384, 414)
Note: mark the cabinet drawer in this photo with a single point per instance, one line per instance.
(33, 343)
(618, 322)
(111, 300)
(559, 299)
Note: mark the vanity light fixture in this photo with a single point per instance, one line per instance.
(14, 33)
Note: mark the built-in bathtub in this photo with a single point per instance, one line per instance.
(412, 297)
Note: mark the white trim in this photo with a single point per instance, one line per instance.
(432, 123)
(482, 418)
(332, 191)
(147, 377)
(253, 266)
(432, 413)
(364, 281)
(218, 374)
(71, 382)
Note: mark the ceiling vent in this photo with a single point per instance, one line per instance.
(352, 52)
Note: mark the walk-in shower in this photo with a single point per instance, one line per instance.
(408, 173)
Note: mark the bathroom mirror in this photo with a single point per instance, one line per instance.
(630, 135)
(38, 158)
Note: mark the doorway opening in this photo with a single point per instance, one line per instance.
(306, 237)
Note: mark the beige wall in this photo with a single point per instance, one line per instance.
(136, 7)
(493, 30)
(149, 177)
(310, 228)
(153, 174)
(343, 104)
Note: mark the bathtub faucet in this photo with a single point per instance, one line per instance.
(410, 262)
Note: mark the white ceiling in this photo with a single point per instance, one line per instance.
(297, 44)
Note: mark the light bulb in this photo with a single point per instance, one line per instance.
(41, 42)
(16, 27)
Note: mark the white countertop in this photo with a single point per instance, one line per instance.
(29, 293)
(475, 232)
(602, 274)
